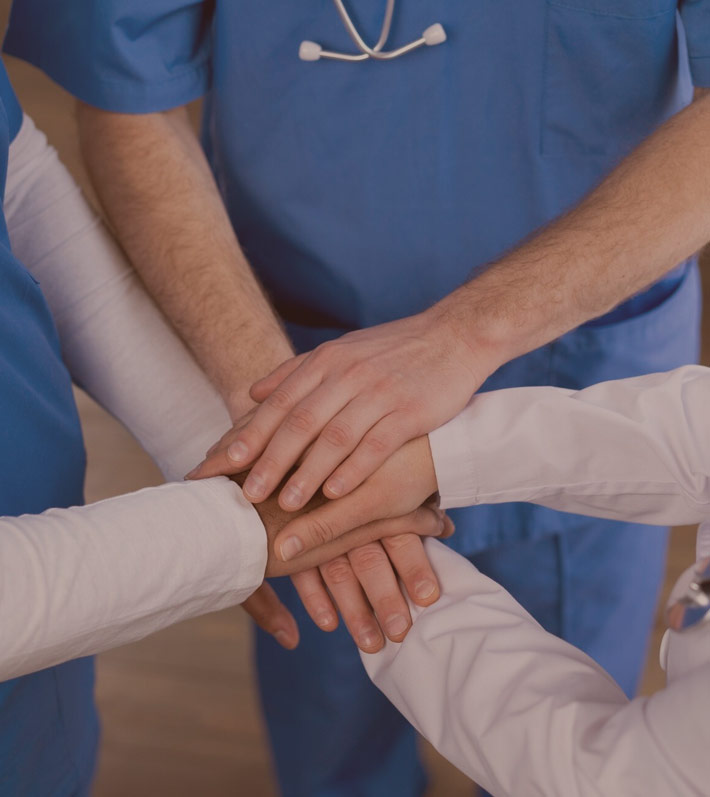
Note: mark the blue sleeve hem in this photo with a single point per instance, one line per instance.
(124, 96)
(700, 70)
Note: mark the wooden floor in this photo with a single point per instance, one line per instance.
(179, 712)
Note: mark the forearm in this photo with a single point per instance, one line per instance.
(161, 198)
(651, 213)
(630, 449)
(522, 712)
(82, 580)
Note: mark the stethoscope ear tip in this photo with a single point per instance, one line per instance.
(309, 51)
(434, 34)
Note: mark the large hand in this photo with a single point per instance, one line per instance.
(355, 400)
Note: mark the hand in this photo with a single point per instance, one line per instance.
(406, 481)
(362, 582)
(364, 586)
(355, 401)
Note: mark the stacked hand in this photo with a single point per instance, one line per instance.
(354, 565)
(351, 416)
(342, 410)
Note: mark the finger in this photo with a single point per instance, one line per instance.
(265, 386)
(315, 598)
(355, 514)
(339, 434)
(251, 440)
(218, 463)
(354, 608)
(299, 428)
(407, 554)
(449, 528)
(373, 570)
(425, 521)
(272, 616)
(230, 434)
(375, 448)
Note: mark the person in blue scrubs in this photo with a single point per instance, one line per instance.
(366, 192)
(48, 723)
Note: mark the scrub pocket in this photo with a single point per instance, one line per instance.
(660, 339)
(610, 74)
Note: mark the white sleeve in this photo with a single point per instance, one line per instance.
(79, 581)
(116, 343)
(634, 449)
(522, 712)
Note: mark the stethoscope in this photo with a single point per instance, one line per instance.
(311, 51)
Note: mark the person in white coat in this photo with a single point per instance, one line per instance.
(518, 710)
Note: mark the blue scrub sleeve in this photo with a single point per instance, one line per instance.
(129, 56)
(696, 21)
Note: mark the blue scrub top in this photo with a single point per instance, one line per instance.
(45, 715)
(364, 192)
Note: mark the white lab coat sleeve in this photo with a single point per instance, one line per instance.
(116, 343)
(633, 449)
(522, 712)
(79, 581)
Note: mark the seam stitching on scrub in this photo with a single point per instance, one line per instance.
(188, 72)
(598, 13)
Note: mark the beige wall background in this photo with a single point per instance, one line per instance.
(180, 716)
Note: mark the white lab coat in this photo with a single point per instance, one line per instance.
(518, 710)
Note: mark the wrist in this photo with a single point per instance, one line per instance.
(481, 339)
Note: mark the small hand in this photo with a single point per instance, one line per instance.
(406, 481)
(364, 586)
(359, 573)
(267, 611)
(354, 401)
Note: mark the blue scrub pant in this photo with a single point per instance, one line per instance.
(49, 732)
(335, 735)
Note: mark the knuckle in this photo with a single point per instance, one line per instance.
(337, 572)
(377, 443)
(338, 434)
(267, 465)
(324, 352)
(300, 419)
(368, 558)
(398, 542)
(280, 399)
(320, 532)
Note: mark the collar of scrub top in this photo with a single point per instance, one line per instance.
(693, 608)
(312, 51)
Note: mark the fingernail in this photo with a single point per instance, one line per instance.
(369, 638)
(335, 486)
(283, 638)
(396, 625)
(291, 548)
(324, 619)
(193, 472)
(255, 486)
(424, 589)
(237, 452)
(292, 496)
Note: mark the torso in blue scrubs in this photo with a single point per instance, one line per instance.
(365, 192)
(48, 725)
